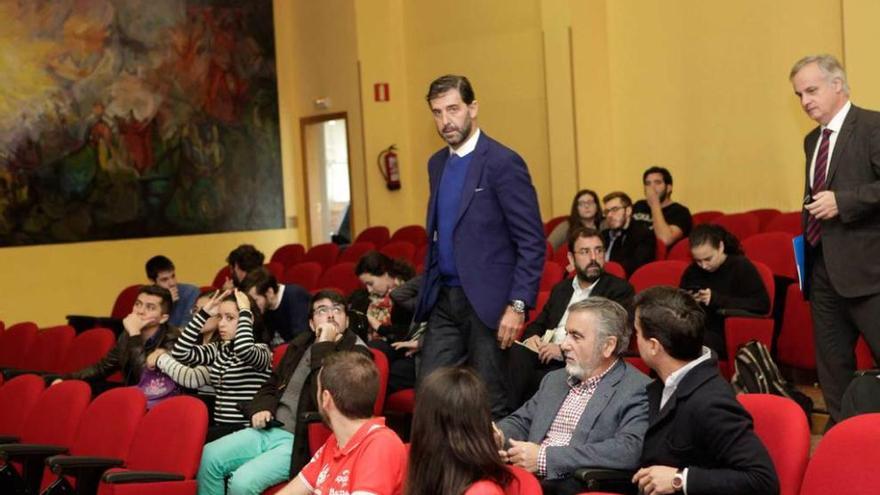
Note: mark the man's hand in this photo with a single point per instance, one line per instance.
(242, 300)
(703, 296)
(655, 480)
(824, 205)
(133, 324)
(651, 197)
(498, 435)
(153, 358)
(259, 419)
(509, 327)
(56, 381)
(549, 352)
(524, 455)
(412, 346)
(175, 293)
(534, 343)
(328, 332)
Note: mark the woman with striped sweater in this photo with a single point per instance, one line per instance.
(237, 365)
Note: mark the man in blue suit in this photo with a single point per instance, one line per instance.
(486, 244)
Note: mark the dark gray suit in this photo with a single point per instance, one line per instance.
(845, 266)
(610, 432)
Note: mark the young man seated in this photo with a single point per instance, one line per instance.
(161, 272)
(362, 456)
(700, 440)
(270, 451)
(285, 307)
(146, 329)
(242, 260)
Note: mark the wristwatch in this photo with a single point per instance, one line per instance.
(518, 305)
(678, 481)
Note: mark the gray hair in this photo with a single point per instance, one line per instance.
(828, 64)
(612, 318)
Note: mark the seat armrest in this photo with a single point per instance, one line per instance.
(141, 477)
(741, 313)
(310, 417)
(71, 465)
(26, 451)
(4, 439)
(606, 480)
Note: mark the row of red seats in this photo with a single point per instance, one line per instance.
(157, 452)
(24, 346)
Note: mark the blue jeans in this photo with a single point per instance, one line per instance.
(257, 459)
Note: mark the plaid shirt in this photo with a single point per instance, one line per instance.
(574, 405)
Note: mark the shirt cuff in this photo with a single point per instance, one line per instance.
(542, 461)
(684, 481)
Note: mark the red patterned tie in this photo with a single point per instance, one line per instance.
(814, 229)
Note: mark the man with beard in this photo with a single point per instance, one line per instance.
(538, 355)
(594, 413)
(629, 243)
(485, 244)
(670, 221)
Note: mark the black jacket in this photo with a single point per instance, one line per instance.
(635, 247)
(704, 428)
(127, 356)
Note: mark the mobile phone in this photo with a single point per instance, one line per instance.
(808, 199)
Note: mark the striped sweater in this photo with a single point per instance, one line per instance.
(237, 368)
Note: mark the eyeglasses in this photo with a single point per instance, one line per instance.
(613, 209)
(336, 309)
(598, 251)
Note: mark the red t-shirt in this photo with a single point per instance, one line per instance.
(373, 462)
(484, 487)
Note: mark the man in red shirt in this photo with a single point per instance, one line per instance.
(363, 456)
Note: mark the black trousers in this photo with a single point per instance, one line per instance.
(525, 372)
(838, 321)
(456, 337)
(861, 397)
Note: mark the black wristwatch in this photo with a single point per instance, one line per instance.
(518, 305)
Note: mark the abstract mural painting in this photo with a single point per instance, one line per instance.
(137, 118)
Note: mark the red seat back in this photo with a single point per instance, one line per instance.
(769, 283)
(87, 349)
(782, 427)
(276, 269)
(551, 224)
(846, 459)
(616, 269)
(681, 251)
(54, 417)
(785, 222)
(765, 216)
(323, 254)
(222, 275)
(377, 235)
(108, 424)
(340, 276)
(170, 437)
(399, 250)
(666, 272)
(705, 217)
(49, 348)
(15, 344)
(277, 355)
(552, 275)
(125, 301)
(560, 256)
(524, 483)
(288, 254)
(540, 301)
(23, 391)
(384, 370)
(413, 234)
(775, 250)
(353, 253)
(741, 225)
(304, 274)
(795, 346)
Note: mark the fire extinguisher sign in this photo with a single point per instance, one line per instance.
(381, 92)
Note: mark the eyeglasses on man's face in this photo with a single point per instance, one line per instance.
(613, 209)
(335, 309)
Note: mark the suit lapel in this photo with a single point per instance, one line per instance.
(601, 398)
(475, 172)
(849, 123)
(549, 409)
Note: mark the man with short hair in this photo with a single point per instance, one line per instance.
(530, 362)
(632, 244)
(700, 440)
(146, 328)
(670, 221)
(256, 458)
(285, 307)
(362, 456)
(242, 260)
(591, 414)
(841, 222)
(486, 244)
(160, 270)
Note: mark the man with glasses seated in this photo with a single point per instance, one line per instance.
(276, 445)
(541, 351)
(629, 243)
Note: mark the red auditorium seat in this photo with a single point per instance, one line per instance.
(340, 276)
(277, 355)
(666, 272)
(165, 452)
(105, 430)
(125, 301)
(222, 275)
(775, 250)
(304, 274)
(399, 250)
(524, 483)
(795, 346)
(353, 253)
(23, 391)
(741, 225)
(846, 459)
(52, 422)
(49, 348)
(540, 301)
(421, 254)
(402, 401)
(782, 427)
(786, 222)
(864, 358)
(413, 234)
(681, 251)
(377, 235)
(552, 275)
(739, 329)
(705, 217)
(324, 254)
(87, 349)
(551, 224)
(288, 254)
(15, 343)
(560, 256)
(765, 216)
(276, 269)
(616, 269)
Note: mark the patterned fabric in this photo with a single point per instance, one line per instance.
(573, 407)
(813, 226)
(380, 309)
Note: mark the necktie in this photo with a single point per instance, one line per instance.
(814, 229)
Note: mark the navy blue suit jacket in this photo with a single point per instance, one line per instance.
(498, 242)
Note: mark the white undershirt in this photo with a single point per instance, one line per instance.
(835, 124)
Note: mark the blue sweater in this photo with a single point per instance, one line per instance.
(448, 203)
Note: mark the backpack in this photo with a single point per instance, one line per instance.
(756, 373)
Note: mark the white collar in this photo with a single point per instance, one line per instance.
(577, 285)
(837, 122)
(467, 146)
(676, 376)
(278, 296)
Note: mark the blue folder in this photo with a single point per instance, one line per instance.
(798, 246)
